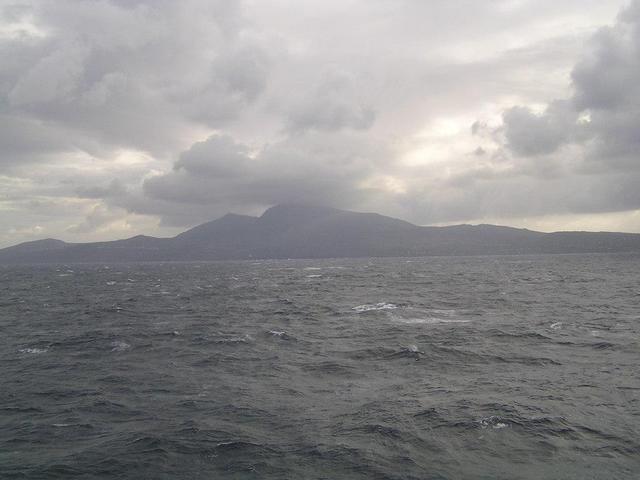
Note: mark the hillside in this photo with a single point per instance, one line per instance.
(298, 231)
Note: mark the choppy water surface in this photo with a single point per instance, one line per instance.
(436, 368)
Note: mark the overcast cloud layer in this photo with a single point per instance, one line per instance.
(130, 116)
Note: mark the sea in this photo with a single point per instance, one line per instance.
(487, 367)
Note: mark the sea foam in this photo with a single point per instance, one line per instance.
(119, 346)
(33, 350)
(373, 307)
(428, 320)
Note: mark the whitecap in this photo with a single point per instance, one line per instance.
(428, 320)
(312, 268)
(493, 421)
(377, 306)
(119, 346)
(33, 350)
(111, 283)
(314, 276)
(277, 333)
(556, 326)
(224, 444)
(244, 339)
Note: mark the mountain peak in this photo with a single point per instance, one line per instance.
(296, 209)
(288, 215)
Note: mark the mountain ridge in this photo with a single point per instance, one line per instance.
(308, 231)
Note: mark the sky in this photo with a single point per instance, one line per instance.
(122, 117)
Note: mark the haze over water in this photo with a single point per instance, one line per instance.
(442, 368)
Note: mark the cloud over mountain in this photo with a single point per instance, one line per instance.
(129, 116)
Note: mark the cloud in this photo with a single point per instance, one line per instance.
(133, 74)
(24, 140)
(98, 218)
(315, 168)
(334, 104)
(119, 114)
(603, 113)
(217, 157)
(531, 134)
(115, 189)
(62, 70)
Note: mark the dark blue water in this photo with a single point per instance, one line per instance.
(437, 368)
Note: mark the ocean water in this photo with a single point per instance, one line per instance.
(432, 368)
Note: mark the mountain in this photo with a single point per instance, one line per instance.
(301, 231)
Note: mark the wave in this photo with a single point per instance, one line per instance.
(246, 338)
(119, 346)
(494, 422)
(34, 350)
(497, 333)
(428, 320)
(328, 367)
(280, 334)
(374, 307)
(387, 353)
(601, 345)
(86, 426)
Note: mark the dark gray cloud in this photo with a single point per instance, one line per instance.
(531, 134)
(132, 74)
(23, 140)
(315, 167)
